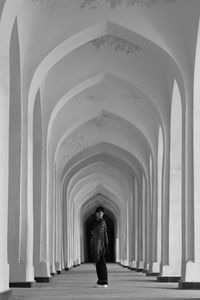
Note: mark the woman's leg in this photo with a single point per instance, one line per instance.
(98, 270)
(101, 269)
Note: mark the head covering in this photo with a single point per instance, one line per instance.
(100, 208)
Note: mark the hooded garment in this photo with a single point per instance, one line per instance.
(99, 241)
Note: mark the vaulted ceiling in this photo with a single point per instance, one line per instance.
(103, 73)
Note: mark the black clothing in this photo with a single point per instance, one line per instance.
(101, 270)
(98, 247)
(99, 241)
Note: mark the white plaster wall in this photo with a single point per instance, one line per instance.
(129, 121)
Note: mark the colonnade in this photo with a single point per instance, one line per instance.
(55, 170)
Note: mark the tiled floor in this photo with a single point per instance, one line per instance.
(78, 283)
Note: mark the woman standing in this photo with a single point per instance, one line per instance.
(99, 244)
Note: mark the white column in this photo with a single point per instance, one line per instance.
(154, 264)
(135, 224)
(190, 214)
(160, 192)
(22, 259)
(52, 213)
(68, 222)
(25, 271)
(40, 201)
(71, 234)
(65, 241)
(141, 225)
(58, 223)
(165, 211)
(132, 229)
(123, 236)
(127, 241)
(125, 244)
(148, 217)
(175, 196)
(191, 204)
(6, 23)
(14, 156)
(171, 271)
(4, 136)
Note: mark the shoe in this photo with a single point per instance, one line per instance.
(101, 285)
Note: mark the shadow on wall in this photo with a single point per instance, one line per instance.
(110, 256)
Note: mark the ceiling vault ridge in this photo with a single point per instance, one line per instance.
(89, 82)
(116, 43)
(99, 150)
(112, 4)
(102, 113)
(87, 35)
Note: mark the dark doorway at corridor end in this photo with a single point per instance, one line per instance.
(110, 256)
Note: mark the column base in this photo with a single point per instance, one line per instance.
(189, 285)
(67, 269)
(137, 266)
(134, 264)
(154, 267)
(22, 273)
(6, 295)
(148, 273)
(58, 267)
(42, 269)
(140, 266)
(44, 279)
(26, 284)
(59, 272)
(168, 278)
(52, 269)
(192, 273)
(4, 275)
(169, 273)
(146, 267)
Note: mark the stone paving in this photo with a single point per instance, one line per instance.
(79, 282)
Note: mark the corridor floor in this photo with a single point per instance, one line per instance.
(78, 283)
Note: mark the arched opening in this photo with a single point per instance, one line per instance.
(89, 223)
